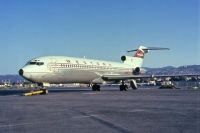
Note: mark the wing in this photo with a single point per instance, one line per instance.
(126, 77)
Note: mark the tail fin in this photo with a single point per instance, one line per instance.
(138, 57)
(140, 52)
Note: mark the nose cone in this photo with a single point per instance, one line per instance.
(21, 72)
(24, 74)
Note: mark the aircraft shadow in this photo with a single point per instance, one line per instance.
(7, 92)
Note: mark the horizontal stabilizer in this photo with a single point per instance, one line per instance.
(149, 48)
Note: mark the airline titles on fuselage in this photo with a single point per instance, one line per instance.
(77, 64)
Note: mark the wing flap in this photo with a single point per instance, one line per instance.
(126, 77)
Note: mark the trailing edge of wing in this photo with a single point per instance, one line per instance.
(126, 77)
(123, 77)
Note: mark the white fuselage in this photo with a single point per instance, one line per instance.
(62, 69)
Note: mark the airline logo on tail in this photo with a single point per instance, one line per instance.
(139, 53)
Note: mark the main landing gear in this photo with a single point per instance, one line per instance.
(123, 86)
(96, 87)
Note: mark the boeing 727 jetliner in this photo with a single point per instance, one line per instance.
(62, 70)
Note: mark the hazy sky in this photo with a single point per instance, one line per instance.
(101, 29)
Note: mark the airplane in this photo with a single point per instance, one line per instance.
(48, 70)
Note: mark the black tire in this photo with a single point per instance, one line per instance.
(93, 88)
(96, 88)
(125, 87)
(121, 87)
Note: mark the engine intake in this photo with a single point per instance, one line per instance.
(136, 71)
(123, 58)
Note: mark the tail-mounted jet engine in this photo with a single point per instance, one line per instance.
(127, 59)
(123, 58)
(136, 71)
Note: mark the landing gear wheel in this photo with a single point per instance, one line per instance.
(96, 87)
(123, 87)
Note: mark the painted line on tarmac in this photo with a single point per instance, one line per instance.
(90, 93)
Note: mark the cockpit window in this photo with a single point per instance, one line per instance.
(36, 63)
(32, 63)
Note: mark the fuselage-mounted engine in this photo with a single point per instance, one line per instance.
(127, 59)
(136, 71)
(123, 58)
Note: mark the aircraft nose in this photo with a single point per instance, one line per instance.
(27, 75)
(21, 72)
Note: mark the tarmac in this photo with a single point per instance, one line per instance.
(80, 110)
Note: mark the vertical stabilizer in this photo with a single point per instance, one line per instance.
(137, 59)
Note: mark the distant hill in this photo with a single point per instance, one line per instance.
(190, 69)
